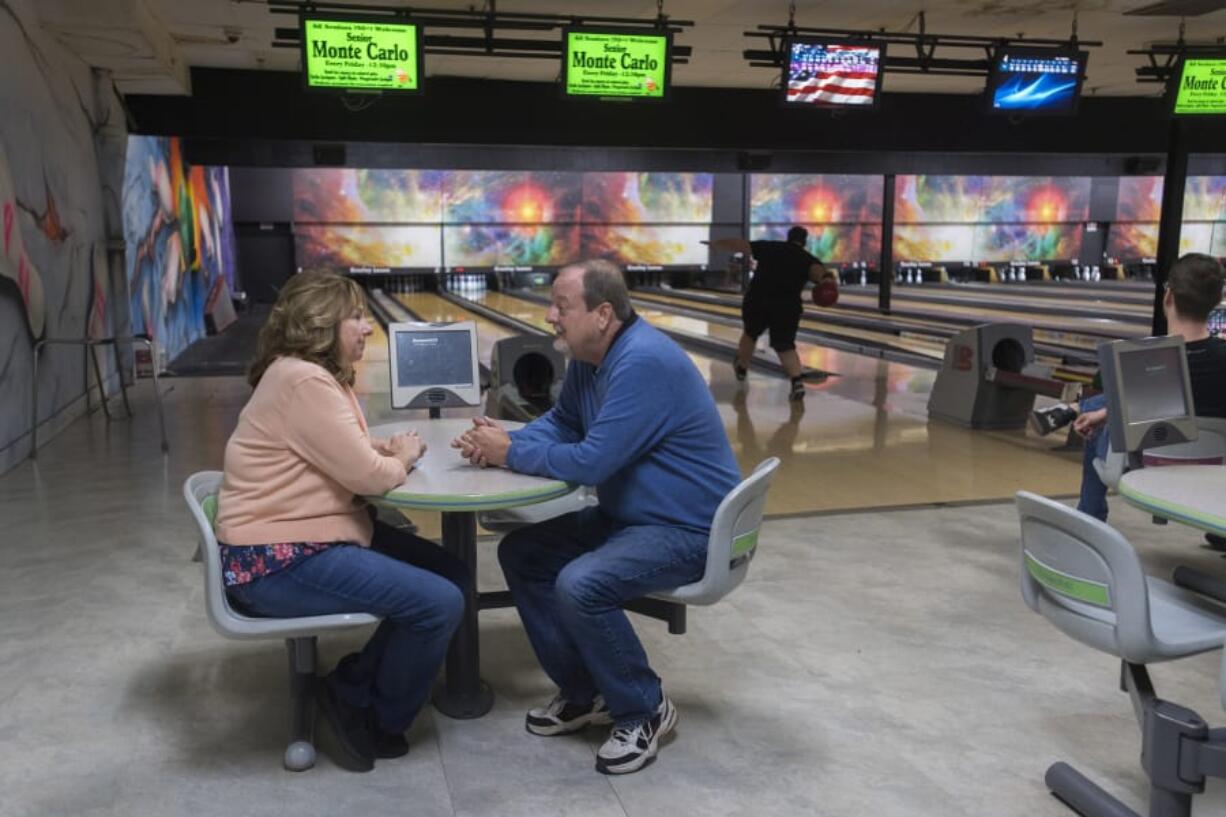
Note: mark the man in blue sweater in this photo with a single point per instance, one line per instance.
(635, 419)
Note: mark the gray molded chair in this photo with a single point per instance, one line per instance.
(730, 547)
(1085, 577)
(1209, 448)
(200, 492)
(733, 540)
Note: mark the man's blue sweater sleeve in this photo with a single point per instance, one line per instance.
(624, 429)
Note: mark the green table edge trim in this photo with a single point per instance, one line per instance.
(454, 502)
(1084, 590)
(1176, 513)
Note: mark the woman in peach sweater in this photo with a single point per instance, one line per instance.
(297, 539)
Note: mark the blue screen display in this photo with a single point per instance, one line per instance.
(1028, 83)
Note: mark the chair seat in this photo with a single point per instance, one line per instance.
(1184, 623)
(235, 625)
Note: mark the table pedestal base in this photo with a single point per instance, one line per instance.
(463, 694)
(464, 705)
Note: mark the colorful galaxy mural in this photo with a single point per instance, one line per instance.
(1140, 199)
(474, 219)
(180, 240)
(1134, 235)
(991, 199)
(647, 198)
(1132, 241)
(934, 242)
(490, 245)
(1204, 198)
(361, 196)
(789, 198)
(938, 199)
(629, 245)
(501, 197)
(367, 248)
(1027, 242)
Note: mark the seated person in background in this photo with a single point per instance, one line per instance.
(295, 538)
(1193, 289)
(635, 419)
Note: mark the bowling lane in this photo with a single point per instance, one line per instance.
(1008, 295)
(931, 348)
(1130, 292)
(431, 307)
(1092, 329)
(372, 372)
(856, 373)
(534, 313)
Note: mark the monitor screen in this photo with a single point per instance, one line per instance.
(1152, 380)
(361, 54)
(1035, 81)
(616, 64)
(1200, 86)
(832, 74)
(438, 357)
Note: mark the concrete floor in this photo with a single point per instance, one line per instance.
(874, 663)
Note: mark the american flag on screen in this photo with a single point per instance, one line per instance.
(833, 74)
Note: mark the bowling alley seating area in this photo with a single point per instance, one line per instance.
(920, 626)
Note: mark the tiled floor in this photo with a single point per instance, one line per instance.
(875, 662)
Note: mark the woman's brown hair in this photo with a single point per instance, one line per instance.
(305, 323)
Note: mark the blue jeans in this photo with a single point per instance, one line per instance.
(570, 576)
(1093, 499)
(413, 584)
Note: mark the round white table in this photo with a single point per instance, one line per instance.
(444, 481)
(1192, 494)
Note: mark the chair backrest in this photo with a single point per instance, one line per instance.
(200, 492)
(733, 540)
(1085, 577)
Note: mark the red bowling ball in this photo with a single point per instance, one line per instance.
(825, 293)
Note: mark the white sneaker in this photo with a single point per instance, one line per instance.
(630, 748)
(561, 717)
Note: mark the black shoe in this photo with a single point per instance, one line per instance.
(388, 746)
(350, 728)
(1045, 421)
(1215, 542)
(740, 371)
(798, 390)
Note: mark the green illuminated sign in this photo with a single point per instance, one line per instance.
(1202, 87)
(360, 54)
(610, 64)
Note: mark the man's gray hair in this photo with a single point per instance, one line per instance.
(603, 281)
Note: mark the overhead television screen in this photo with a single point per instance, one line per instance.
(616, 64)
(1034, 81)
(1200, 87)
(828, 74)
(361, 54)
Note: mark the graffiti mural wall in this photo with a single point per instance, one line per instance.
(60, 143)
(180, 240)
